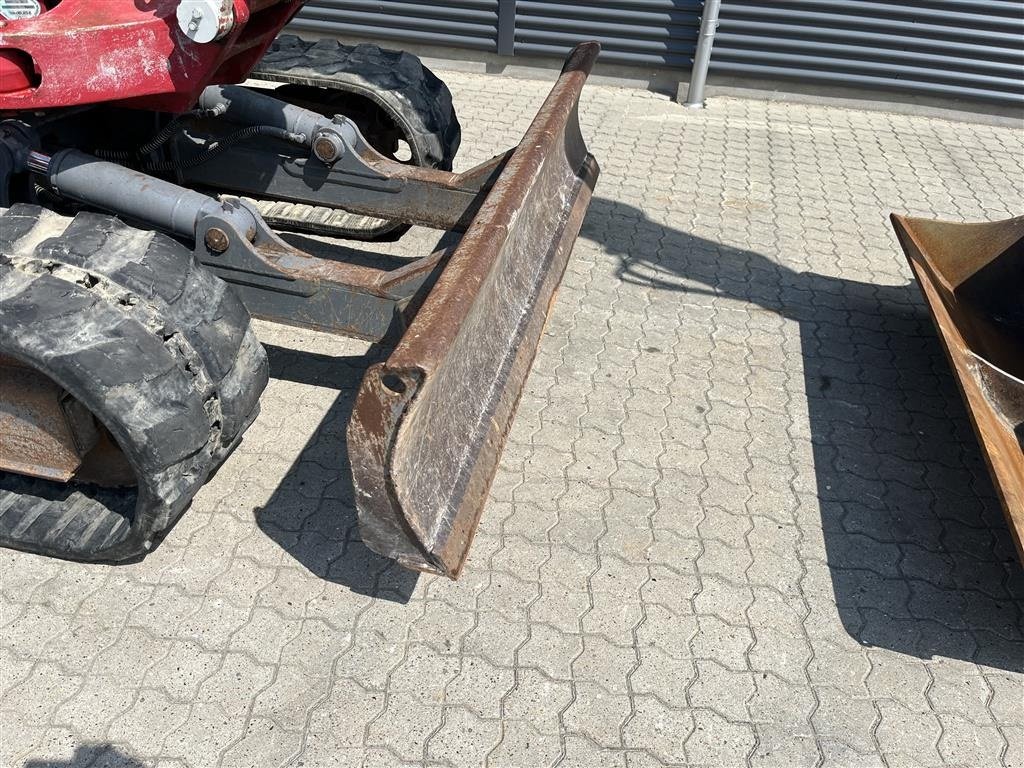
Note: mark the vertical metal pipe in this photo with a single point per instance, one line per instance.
(702, 58)
(506, 27)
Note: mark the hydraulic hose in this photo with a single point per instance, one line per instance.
(162, 136)
(222, 145)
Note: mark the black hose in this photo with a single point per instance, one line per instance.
(161, 137)
(47, 196)
(117, 155)
(222, 145)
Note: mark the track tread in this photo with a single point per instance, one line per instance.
(397, 77)
(152, 343)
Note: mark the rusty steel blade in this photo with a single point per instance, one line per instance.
(430, 422)
(972, 277)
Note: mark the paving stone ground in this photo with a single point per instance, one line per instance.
(741, 519)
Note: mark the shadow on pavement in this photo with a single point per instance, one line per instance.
(312, 512)
(919, 553)
(920, 558)
(88, 755)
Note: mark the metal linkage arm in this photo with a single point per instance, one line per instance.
(275, 280)
(341, 171)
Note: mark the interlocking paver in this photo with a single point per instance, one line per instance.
(720, 689)
(551, 651)
(658, 729)
(964, 742)
(784, 746)
(741, 519)
(520, 743)
(464, 739)
(717, 741)
(597, 714)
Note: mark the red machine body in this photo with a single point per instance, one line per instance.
(127, 51)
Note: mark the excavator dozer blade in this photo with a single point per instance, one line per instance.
(972, 277)
(430, 422)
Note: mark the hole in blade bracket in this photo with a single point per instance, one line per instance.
(393, 383)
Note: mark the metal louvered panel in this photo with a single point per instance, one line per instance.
(649, 32)
(455, 23)
(948, 48)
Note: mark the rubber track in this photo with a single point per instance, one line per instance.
(320, 220)
(397, 81)
(155, 345)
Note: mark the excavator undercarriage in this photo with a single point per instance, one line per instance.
(140, 230)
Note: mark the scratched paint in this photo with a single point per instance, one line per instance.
(123, 68)
(93, 52)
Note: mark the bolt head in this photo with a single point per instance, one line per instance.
(216, 240)
(326, 149)
(203, 21)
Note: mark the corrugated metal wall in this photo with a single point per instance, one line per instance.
(944, 48)
(646, 32)
(456, 23)
(952, 48)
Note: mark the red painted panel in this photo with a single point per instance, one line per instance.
(132, 51)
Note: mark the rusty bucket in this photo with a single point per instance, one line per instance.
(430, 422)
(972, 277)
